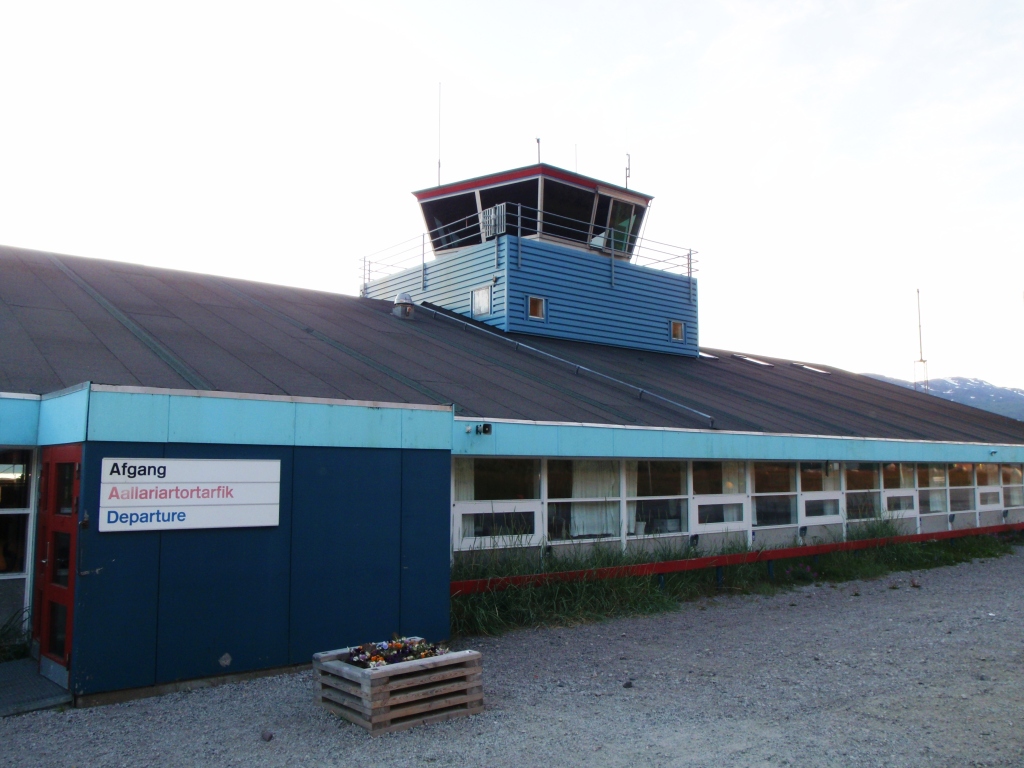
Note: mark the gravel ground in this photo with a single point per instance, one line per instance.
(877, 673)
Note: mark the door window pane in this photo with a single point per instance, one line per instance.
(13, 532)
(719, 477)
(14, 479)
(65, 488)
(708, 514)
(931, 475)
(988, 474)
(819, 476)
(482, 301)
(862, 506)
(961, 475)
(821, 507)
(58, 630)
(988, 498)
(774, 510)
(932, 501)
(861, 477)
(61, 555)
(774, 477)
(897, 475)
(647, 518)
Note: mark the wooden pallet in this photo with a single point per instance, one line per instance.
(403, 695)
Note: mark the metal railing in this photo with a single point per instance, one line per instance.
(618, 242)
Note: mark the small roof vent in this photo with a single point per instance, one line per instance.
(403, 306)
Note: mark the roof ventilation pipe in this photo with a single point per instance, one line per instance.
(403, 306)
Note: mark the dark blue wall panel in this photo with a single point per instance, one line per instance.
(361, 552)
(426, 559)
(116, 594)
(346, 540)
(224, 592)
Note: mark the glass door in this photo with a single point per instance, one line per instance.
(56, 556)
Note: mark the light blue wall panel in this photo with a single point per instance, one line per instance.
(19, 420)
(347, 426)
(63, 418)
(451, 279)
(129, 417)
(223, 420)
(426, 429)
(511, 439)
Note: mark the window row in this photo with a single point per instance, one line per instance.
(15, 498)
(585, 498)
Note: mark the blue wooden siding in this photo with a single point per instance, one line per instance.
(577, 285)
(450, 281)
(583, 305)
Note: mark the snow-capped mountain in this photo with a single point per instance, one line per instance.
(975, 392)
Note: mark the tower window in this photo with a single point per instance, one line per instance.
(536, 308)
(678, 330)
(482, 301)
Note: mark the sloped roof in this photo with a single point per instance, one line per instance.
(65, 320)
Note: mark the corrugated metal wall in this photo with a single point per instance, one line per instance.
(361, 552)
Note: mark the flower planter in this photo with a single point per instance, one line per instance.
(403, 695)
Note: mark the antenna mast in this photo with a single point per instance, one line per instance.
(920, 365)
(439, 134)
(538, 150)
(627, 171)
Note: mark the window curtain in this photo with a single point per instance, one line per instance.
(462, 471)
(631, 473)
(595, 479)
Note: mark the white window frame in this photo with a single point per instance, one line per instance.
(530, 315)
(30, 513)
(804, 496)
(490, 298)
(671, 327)
(620, 500)
(464, 543)
(754, 495)
(686, 496)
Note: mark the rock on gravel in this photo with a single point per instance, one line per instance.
(929, 676)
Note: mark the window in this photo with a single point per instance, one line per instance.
(567, 210)
(14, 479)
(678, 330)
(779, 480)
(453, 221)
(15, 494)
(961, 490)
(821, 507)
(13, 532)
(722, 479)
(987, 476)
(535, 307)
(659, 488)
(897, 476)
(482, 301)
(819, 476)
(594, 488)
(496, 479)
(520, 193)
(861, 477)
(933, 478)
(483, 524)
(1013, 485)
(719, 477)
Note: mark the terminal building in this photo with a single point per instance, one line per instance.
(203, 476)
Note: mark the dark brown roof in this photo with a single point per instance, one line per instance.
(65, 320)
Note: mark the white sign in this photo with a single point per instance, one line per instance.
(177, 494)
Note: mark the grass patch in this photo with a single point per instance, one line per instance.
(14, 638)
(566, 603)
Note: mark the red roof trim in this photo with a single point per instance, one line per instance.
(530, 171)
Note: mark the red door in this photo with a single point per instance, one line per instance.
(57, 539)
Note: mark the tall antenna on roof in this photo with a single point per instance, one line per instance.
(920, 364)
(538, 150)
(439, 134)
(627, 170)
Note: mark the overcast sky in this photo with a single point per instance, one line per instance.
(826, 159)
